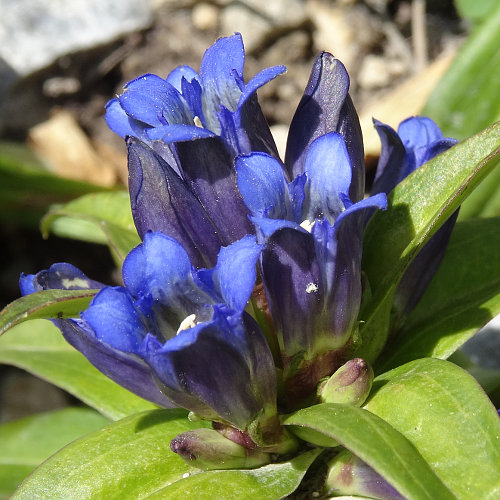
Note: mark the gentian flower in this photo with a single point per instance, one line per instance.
(417, 141)
(188, 105)
(327, 107)
(311, 263)
(183, 134)
(184, 330)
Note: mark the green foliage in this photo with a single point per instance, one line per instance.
(38, 347)
(27, 189)
(26, 443)
(378, 444)
(418, 206)
(134, 460)
(463, 296)
(443, 411)
(45, 304)
(98, 218)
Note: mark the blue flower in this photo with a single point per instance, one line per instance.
(184, 329)
(188, 105)
(417, 141)
(327, 107)
(311, 263)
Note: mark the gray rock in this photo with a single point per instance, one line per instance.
(35, 32)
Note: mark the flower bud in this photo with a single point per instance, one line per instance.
(350, 384)
(348, 475)
(207, 449)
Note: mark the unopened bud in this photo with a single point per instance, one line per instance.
(349, 385)
(207, 449)
(348, 475)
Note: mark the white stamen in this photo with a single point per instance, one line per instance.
(187, 323)
(197, 121)
(307, 225)
(78, 282)
(311, 287)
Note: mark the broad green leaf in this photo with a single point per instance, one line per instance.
(463, 296)
(442, 410)
(270, 482)
(27, 189)
(378, 444)
(38, 347)
(130, 458)
(466, 98)
(45, 304)
(26, 443)
(98, 218)
(418, 206)
(472, 9)
(485, 200)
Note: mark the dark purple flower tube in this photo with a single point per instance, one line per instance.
(417, 141)
(327, 107)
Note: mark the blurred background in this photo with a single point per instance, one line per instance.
(60, 62)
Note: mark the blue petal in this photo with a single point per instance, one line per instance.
(208, 168)
(216, 368)
(161, 201)
(418, 131)
(318, 111)
(328, 170)
(260, 79)
(392, 157)
(235, 273)
(152, 100)
(263, 185)
(178, 133)
(60, 276)
(117, 120)
(218, 67)
(266, 227)
(294, 289)
(126, 370)
(115, 320)
(175, 77)
(160, 267)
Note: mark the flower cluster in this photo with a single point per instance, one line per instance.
(242, 300)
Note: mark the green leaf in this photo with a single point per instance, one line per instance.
(98, 218)
(478, 11)
(26, 443)
(418, 206)
(45, 304)
(27, 189)
(442, 410)
(130, 458)
(270, 482)
(463, 296)
(378, 444)
(466, 98)
(38, 347)
(485, 200)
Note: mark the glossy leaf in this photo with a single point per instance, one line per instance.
(378, 444)
(27, 442)
(419, 205)
(130, 458)
(39, 347)
(270, 482)
(478, 11)
(45, 304)
(466, 98)
(463, 296)
(27, 189)
(442, 410)
(98, 218)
